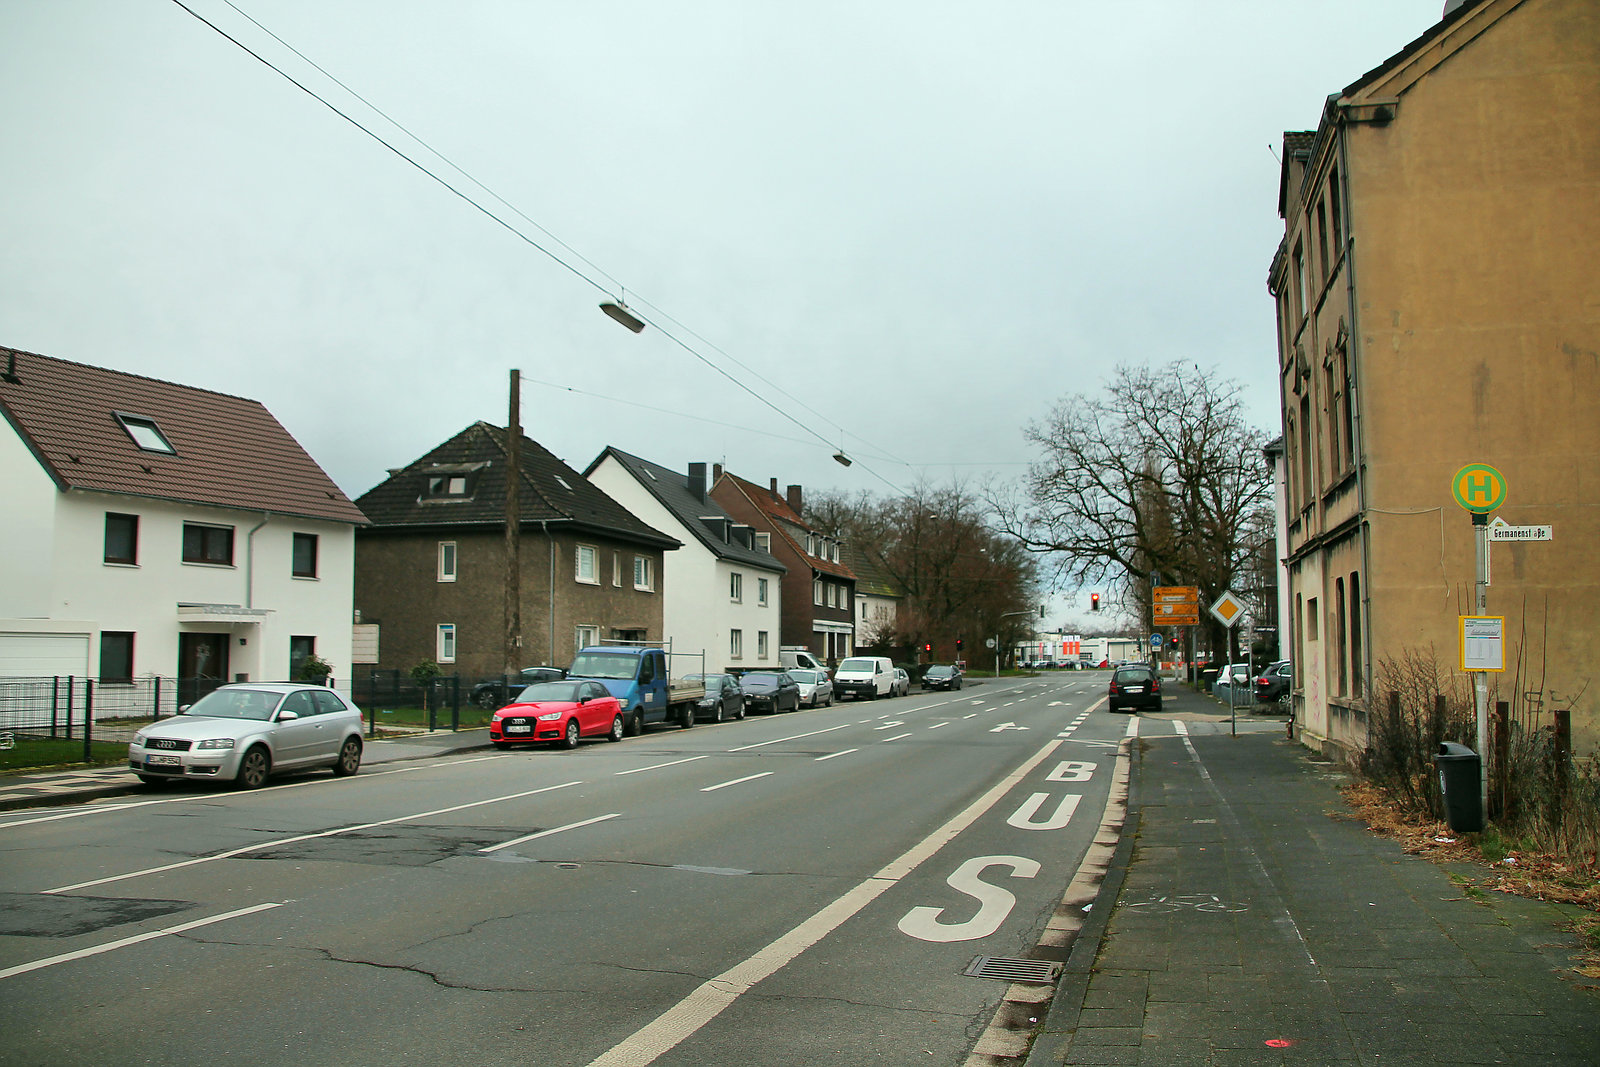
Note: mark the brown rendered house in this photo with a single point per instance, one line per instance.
(431, 570)
(818, 590)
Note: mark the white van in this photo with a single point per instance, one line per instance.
(800, 657)
(864, 676)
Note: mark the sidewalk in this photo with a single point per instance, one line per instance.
(1250, 927)
(29, 789)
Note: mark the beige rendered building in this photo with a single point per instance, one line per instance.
(1438, 295)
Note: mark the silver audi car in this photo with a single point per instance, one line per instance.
(246, 731)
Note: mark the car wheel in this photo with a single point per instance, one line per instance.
(349, 758)
(254, 767)
(569, 740)
(617, 729)
(721, 713)
(686, 720)
(487, 700)
(738, 713)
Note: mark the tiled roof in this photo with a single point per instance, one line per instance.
(785, 521)
(671, 489)
(227, 451)
(550, 491)
(871, 578)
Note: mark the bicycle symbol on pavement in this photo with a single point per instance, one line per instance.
(1198, 901)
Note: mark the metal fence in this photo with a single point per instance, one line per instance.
(441, 696)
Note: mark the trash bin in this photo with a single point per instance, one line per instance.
(1459, 771)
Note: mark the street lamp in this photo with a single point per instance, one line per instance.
(1007, 615)
(619, 310)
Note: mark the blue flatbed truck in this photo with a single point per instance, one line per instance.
(645, 680)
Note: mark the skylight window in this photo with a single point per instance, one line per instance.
(564, 484)
(146, 434)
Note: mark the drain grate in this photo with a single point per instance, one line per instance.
(1010, 969)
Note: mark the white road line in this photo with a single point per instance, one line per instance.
(715, 995)
(736, 781)
(232, 852)
(896, 737)
(974, 715)
(84, 953)
(796, 737)
(831, 755)
(551, 831)
(658, 766)
(277, 787)
(936, 725)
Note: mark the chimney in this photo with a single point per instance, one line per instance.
(773, 489)
(716, 473)
(697, 481)
(794, 499)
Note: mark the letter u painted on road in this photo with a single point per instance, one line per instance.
(1023, 817)
(994, 903)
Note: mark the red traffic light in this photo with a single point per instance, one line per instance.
(927, 646)
(1094, 601)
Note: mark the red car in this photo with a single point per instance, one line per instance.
(557, 713)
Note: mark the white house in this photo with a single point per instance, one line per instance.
(156, 530)
(722, 588)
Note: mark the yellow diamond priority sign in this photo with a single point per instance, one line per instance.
(1228, 609)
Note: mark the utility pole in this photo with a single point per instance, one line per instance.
(513, 583)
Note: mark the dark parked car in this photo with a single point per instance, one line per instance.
(492, 693)
(724, 699)
(1134, 688)
(941, 676)
(769, 692)
(1273, 683)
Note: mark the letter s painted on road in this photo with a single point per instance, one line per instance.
(994, 903)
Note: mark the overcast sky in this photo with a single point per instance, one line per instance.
(924, 221)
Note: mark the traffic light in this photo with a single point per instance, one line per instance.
(1094, 601)
(958, 644)
(927, 646)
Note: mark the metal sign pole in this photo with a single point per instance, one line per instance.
(1480, 679)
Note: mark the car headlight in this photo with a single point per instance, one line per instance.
(138, 738)
(216, 742)
(550, 716)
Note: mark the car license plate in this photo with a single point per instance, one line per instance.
(163, 761)
(1135, 688)
(519, 728)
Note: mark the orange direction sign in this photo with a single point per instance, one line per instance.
(1175, 605)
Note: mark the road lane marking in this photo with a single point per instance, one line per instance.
(736, 781)
(168, 931)
(658, 766)
(712, 997)
(258, 846)
(896, 737)
(549, 832)
(936, 725)
(795, 737)
(831, 755)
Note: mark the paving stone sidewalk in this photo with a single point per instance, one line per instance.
(1250, 927)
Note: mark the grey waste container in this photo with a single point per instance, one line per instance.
(1459, 770)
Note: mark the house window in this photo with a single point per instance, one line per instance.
(736, 644)
(643, 574)
(1340, 646)
(305, 555)
(207, 544)
(1347, 419)
(1322, 237)
(116, 656)
(1335, 464)
(761, 644)
(764, 542)
(446, 642)
(447, 486)
(122, 538)
(1333, 210)
(736, 587)
(447, 561)
(145, 433)
(584, 562)
(584, 636)
(816, 591)
(1300, 278)
(300, 649)
(761, 591)
(1311, 619)
(833, 552)
(616, 569)
(1356, 671)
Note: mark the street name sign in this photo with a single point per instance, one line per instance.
(1500, 530)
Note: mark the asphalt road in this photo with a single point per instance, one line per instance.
(784, 890)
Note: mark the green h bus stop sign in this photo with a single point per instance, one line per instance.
(1479, 488)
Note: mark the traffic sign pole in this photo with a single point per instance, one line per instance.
(1480, 489)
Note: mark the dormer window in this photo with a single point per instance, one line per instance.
(145, 433)
(447, 485)
(453, 481)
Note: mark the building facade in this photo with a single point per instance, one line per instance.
(432, 570)
(818, 611)
(1435, 291)
(156, 531)
(724, 587)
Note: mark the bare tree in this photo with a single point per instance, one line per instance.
(1161, 475)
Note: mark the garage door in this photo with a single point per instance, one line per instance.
(43, 655)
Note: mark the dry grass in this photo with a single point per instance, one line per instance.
(1507, 867)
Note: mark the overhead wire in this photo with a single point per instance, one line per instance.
(617, 288)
